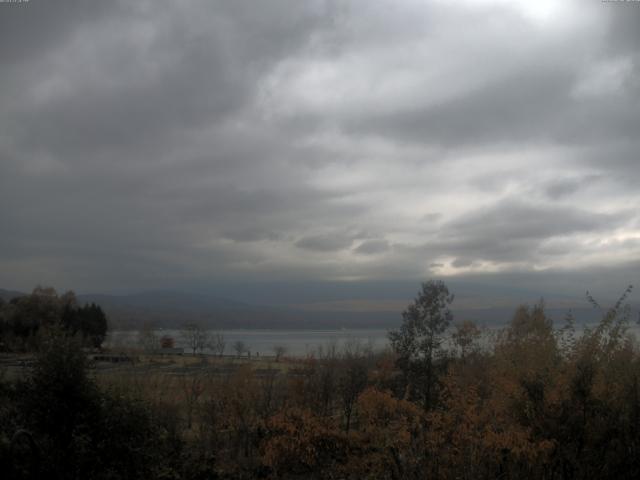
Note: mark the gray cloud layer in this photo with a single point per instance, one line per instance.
(173, 144)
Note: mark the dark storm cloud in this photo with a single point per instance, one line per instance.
(515, 232)
(325, 243)
(104, 153)
(622, 32)
(560, 188)
(252, 234)
(515, 109)
(515, 219)
(372, 247)
(512, 231)
(191, 74)
(461, 262)
(528, 108)
(28, 33)
(158, 143)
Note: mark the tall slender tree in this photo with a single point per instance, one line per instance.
(418, 341)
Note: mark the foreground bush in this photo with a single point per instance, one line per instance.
(57, 424)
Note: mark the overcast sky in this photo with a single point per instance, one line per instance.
(202, 144)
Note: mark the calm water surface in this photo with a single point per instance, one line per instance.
(262, 342)
(296, 342)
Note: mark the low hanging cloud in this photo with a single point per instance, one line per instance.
(157, 144)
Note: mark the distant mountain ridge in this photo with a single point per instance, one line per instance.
(164, 299)
(171, 309)
(7, 295)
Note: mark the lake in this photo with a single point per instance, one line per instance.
(296, 342)
(262, 342)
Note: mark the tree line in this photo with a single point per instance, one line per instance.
(22, 317)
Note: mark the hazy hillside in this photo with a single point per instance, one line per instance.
(9, 294)
(171, 309)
